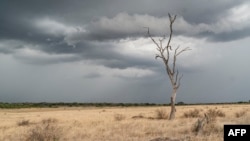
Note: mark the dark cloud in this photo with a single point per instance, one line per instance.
(63, 10)
(92, 75)
(87, 30)
(16, 16)
(225, 36)
(107, 56)
(229, 36)
(207, 11)
(45, 59)
(72, 50)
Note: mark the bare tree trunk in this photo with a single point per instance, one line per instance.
(164, 52)
(173, 110)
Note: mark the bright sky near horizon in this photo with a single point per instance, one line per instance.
(98, 51)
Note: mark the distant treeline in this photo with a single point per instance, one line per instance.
(75, 104)
(62, 104)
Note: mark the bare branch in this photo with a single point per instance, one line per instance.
(157, 56)
(154, 41)
(171, 19)
(175, 51)
(185, 49)
(152, 38)
(159, 49)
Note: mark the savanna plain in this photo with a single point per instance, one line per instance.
(120, 123)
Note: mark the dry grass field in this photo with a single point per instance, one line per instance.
(118, 123)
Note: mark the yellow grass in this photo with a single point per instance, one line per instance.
(117, 123)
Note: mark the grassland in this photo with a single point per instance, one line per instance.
(118, 123)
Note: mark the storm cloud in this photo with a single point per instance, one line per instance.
(99, 51)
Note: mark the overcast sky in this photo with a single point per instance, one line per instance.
(98, 51)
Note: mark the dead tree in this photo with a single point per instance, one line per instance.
(169, 57)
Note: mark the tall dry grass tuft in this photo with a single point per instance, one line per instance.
(119, 117)
(213, 128)
(47, 130)
(161, 114)
(240, 114)
(23, 123)
(192, 114)
(208, 124)
(214, 113)
(244, 119)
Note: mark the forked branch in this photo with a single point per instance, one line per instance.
(165, 53)
(171, 20)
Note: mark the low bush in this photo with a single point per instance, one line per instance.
(119, 117)
(140, 116)
(240, 114)
(47, 130)
(23, 123)
(161, 114)
(213, 114)
(192, 114)
(206, 126)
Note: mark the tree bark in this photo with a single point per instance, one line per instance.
(173, 110)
